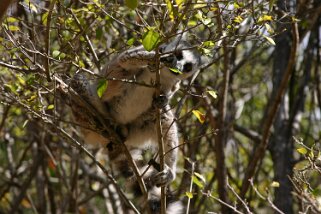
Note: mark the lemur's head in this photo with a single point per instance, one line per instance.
(180, 58)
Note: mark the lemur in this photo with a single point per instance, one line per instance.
(133, 105)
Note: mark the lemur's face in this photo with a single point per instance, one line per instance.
(180, 59)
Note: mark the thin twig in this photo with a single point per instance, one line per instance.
(190, 187)
(161, 149)
(47, 40)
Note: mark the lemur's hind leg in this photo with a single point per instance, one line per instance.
(170, 140)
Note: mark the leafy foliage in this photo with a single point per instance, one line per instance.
(44, 43)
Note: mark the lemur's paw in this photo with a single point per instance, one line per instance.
(122, 131)
(164, 177)
(161, 101)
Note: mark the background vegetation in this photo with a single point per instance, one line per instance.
(249, 122)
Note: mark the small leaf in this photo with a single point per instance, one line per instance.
(81, 63)
(197, 182)
(268, 28)
(275, 184)
(265, 18)
(302, 150)
(200, 176)
(150, 39)
(269, 39)
(44, 18)
(208, 44)
(271, 3)
(175, 70)
(51, 106)
(191, 23)
(13, 28)
(55, 54)
(99, 33)
(212, 93)
(25, 123)
(236, 5)
(101, 87)
(131, 41)
(189, 194)
(11, 20)
(32, 98)
(238, 19)
(179, 3)
(25, 203)
(132, 4)
(199, 4)
(199, 115)
(170, 9)
(21, 80)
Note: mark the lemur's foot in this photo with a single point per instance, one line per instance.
(164, 177)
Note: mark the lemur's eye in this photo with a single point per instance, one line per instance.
(188, 67)
(179, 55)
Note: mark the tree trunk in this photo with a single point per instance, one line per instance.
(281, 145)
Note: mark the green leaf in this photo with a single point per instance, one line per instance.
(171, 10)
(13, 28)
(131, 41)
(268, 28)
(189, 194)
(102, 87)
(151, 39)
(21, 80)
(208, 44)
(44, 18)
(197, 182)
(302, 150)
(25, 123)
(199, 4)
(179, 3)
(191, 23)
(81, 63)
(271, 3)
(275, 184)
(265, 18)
(175, 70)
(238, 19)
(199, 115)
(55, 54)
(200, 176)
(99, 33)
(269, 39)
(132, 4)
(11, 20)
(212, 93)
(51, 106)
(236, 5)
(29, 6)
(32, 98)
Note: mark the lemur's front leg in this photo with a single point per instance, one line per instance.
(135, 58)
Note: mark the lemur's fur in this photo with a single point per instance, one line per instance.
(132, 106)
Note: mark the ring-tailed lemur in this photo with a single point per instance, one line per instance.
(133, 105)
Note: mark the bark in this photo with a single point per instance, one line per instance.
(281, 145)
(3, 7)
